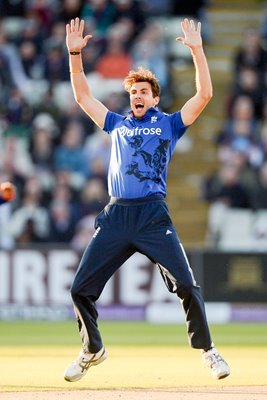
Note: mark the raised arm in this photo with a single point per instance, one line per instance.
(194, 106)
(75, 43)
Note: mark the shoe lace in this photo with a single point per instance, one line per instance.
(84, 363)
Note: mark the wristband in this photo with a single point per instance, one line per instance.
(75, 53)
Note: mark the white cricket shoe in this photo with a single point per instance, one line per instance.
(83, 362)
(219, 367)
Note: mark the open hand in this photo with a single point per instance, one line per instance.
(192, 35)
(74, 35)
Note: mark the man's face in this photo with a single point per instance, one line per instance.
(141, 98)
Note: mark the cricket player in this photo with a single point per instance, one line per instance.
(137, 218)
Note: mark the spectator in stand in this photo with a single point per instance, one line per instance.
(116, 62)
(33, 32)
(42, 11)
(62, 192)
(73, 114)
(99, 15)
(56, 37)
(15, 159)
(31, 61)
(248, 83)
(251, 52)
(94, 197)
(48, 110)
(42, 155)
(242, 126)
(29, 222)
(55, 64)
(62, 222)
(225, 188)
(130, 10)
(10, 52)
(19, 112)
(69, 9)
(247, 174)
(68, 156)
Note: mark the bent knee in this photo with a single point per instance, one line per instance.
(186, 290)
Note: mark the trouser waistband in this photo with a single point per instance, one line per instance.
(138, 200)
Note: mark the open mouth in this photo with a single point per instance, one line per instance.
(139, 106)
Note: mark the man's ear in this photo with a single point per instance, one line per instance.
(157, 99)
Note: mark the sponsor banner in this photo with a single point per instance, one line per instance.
(235, 277)
(35, 284)
(43, 278)
(159, 313)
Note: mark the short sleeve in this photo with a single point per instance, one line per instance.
(178, 127)
(112, 119)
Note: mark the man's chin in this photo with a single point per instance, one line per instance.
(139, 113)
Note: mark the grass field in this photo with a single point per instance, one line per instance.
(33, 356)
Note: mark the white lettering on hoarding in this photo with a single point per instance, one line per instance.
(35, 277)
(60, 275)
(28, 280)
(107, 295)
(133, 279)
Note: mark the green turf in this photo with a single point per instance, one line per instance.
(126, 333)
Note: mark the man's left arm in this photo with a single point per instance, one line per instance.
(194, 106)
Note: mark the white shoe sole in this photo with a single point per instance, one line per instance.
(222, 375)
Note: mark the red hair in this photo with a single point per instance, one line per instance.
(142, 75)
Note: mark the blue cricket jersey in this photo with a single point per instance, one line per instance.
(141, 151)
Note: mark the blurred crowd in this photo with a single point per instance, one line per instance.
(49, 148)
(241, 179)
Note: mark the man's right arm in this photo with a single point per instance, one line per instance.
(82, 93)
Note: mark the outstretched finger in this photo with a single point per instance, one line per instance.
(183, 27)
(185, 23)
(199, 27)
(72, 25)
(81, 28)
(76, 26)
(192, 25)
(68, 29)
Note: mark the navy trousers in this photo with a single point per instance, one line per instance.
(124, 227)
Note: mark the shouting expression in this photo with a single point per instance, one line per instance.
(141, 98)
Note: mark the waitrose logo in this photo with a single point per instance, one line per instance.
(124, 131)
